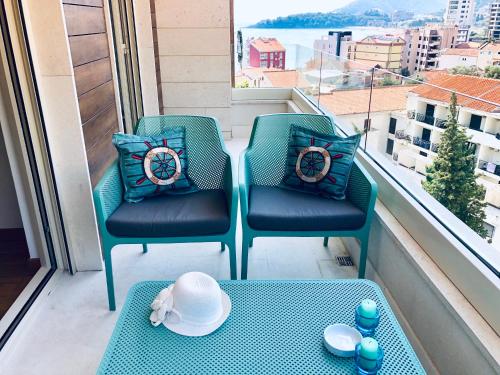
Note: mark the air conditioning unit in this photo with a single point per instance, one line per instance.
(411, 115)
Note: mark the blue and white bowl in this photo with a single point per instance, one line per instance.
(341, 339)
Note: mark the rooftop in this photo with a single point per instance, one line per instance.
(267, 45)
(493, 47)
(382, 39)
(460, 52)
(347, 102)
(285, 78)
(272, 77)
(482, 88)
(469, 45)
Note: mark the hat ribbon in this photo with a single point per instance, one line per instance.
(163, 307)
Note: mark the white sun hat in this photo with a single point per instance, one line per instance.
(194, 306)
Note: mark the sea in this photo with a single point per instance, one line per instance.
(299, 42)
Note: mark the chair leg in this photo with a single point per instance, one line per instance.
(109, 278)
(362, 257)
(232, 260)
(144, 248)
(244, 257)
(325, 241)
(250, 242)
(222, 246)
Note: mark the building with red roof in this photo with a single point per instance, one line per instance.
(267, 53)
(487, 89)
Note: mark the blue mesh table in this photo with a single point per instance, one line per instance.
(274, 327)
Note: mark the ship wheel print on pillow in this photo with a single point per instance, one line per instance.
(162, 165)
(153, 165)
(319, 163)
(314, 163)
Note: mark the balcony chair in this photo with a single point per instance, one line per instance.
(270, 211)
(208, 215)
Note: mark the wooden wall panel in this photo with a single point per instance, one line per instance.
(100, 157)
(82, 20)
(98, 126)
(91, 75)
(90, 52)
(96, 101)
(88, 48)
(95, 3)
(157, 56)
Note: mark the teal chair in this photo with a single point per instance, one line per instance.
(208, 215)
(270, 211)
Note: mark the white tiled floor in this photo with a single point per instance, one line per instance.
(68, 331)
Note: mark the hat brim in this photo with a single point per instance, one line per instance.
(186, 329)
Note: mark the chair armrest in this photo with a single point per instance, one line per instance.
(230, 185)
(361, 188)
(245, 181)
(108, 194)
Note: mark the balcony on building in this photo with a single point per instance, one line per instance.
(426, 119)
(445, 297)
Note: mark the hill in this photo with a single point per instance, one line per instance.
(389, 6)
(357, 13)
(325, 20)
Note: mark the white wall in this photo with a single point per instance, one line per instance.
(379, 130)
(10, 217)
(450, 61)
(146, 56)
(195, 58)
(485, 58)
(59, 102)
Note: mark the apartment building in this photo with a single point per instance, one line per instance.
(407, 123)
(267, 53)
(460, 13)
(489, 54)
(336, 43)
(380, 50)
(417, 138)
(494, 21)
(423, 45)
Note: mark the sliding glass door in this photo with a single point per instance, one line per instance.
(32, 240)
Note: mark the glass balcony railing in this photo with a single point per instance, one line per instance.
(401, 134)
(490, 167)
(371, 101)
(417, 141)
(435, 147)
(426, 119)
(440, 123)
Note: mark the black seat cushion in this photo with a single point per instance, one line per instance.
(196, 214)
(274, 208)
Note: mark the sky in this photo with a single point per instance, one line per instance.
(251, 11)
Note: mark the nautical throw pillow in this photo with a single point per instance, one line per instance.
(153, 165)
(319, 163)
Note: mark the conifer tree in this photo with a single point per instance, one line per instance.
(451, 177)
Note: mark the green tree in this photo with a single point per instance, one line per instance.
(388, 81)
(451, 178)
(492, 71)
(465, 70)
(405, 72)
(418, 79)
(243, 85)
